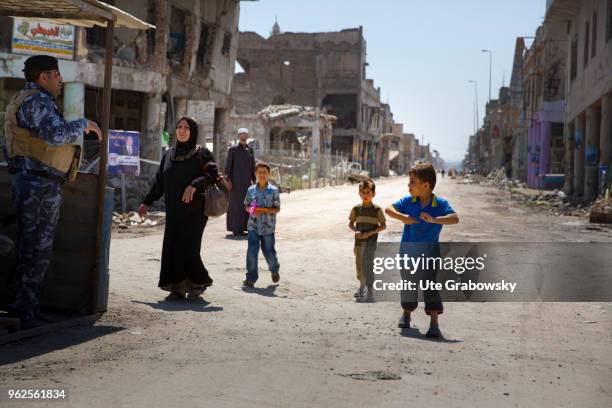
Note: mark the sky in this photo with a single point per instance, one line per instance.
(421, 53)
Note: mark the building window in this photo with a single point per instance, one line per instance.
(587, 37)
(609, 22)
(594, 36)
(176, 39)
(574, 58)
(227, 42)
(202, 45)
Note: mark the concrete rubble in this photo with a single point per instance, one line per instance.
(278, 112)
(555, 202)
(601, 212)
(133, 220)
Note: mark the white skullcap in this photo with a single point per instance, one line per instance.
(243, 130)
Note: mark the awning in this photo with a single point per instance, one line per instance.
(84, 13)
(393, 154)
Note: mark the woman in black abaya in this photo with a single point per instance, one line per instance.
(185, 170)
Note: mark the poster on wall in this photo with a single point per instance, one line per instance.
(33, 37)
(123, 152)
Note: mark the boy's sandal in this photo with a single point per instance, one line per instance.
(275, 277)
(433, 332)
(248, 284)
(404, 322)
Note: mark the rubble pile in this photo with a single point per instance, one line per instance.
(554, 202)
(133, 220)
(601, 212)
(471, 179)
(279, 112)
(497, 178)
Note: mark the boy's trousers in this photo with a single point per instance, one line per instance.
(364, 261)
(266, 243)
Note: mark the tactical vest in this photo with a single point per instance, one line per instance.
(20, 142)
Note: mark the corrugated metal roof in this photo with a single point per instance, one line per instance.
(85, 13)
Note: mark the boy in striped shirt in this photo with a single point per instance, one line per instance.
(366, 221)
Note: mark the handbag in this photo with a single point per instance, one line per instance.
(216, 197)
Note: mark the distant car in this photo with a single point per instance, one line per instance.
(351, 170)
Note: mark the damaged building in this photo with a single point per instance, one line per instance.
(324, 70)
(557, 110)
(185, 66)
(296, 141)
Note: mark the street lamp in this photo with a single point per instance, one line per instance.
(471, 81)
(490, 69)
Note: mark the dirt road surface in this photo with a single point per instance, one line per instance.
(306, 343)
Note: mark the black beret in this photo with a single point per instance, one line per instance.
(41, 63)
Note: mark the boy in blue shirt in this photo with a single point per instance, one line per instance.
(262, 202)
(423, 214)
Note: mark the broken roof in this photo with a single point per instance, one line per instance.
(279, 112)
(85, 13)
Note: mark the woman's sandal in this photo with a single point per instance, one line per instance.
(175, 296)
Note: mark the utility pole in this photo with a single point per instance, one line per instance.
(490, 69)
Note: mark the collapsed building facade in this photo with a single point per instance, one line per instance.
(183, 67)
(296, 142)
(324, 70)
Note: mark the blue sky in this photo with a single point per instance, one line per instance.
(421, 53)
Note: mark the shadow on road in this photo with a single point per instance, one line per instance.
(242, 237)
(199, 305)
(415, 333)
(269, 291)
(26, 349)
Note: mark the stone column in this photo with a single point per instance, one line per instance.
(162, 27)
(605, 138)
(74, 103)
(356, 146)
(591, 153)
(150, 139)
(221, 136)
(3, 103)
(568, 142)
(579, 136)
(315, 148)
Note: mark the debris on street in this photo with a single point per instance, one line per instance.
(601, 212)
(133, 220)
(555, 202)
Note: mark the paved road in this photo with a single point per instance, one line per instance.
(306, 343)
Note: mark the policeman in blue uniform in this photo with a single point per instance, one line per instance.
(42, 157)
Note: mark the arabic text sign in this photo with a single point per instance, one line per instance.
(35, 37)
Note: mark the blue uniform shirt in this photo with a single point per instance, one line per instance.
(40, 114)
(264, 224)
(422, 231)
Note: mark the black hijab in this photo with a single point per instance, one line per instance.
(182, 149)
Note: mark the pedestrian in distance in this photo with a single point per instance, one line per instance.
(423, 214)
(185, 171)
(262, 203)
(42, 156)
(366, 220)
(240, 173)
